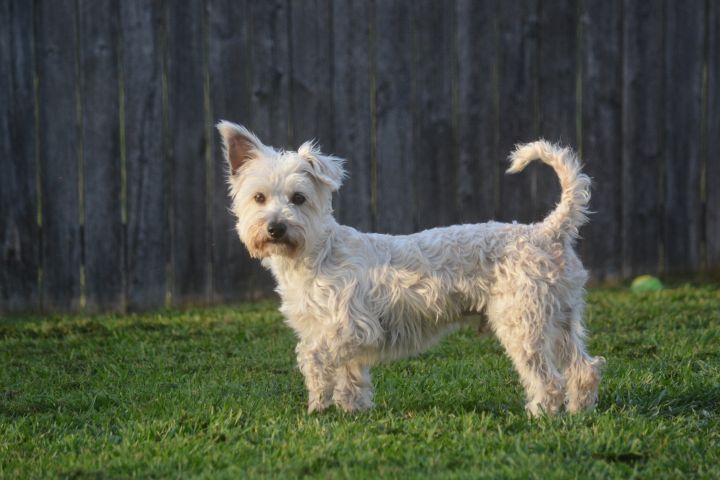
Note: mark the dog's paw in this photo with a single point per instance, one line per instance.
(358, 405)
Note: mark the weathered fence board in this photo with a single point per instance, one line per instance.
(642, 148)
(394, 84)
(435, 180)
(557, 82)
(684, 37)
(58, 143)
(517, 77)
(101, 160)
(351, 98)
(311, 115)
(187, 128)
(147, 177)
(479, 161)
(19, 252)
(602, 134)
(712, 171)
(229, 64)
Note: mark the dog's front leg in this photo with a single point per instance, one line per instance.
(318, 365)
(353, 387)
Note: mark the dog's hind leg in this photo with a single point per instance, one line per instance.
(520, 326)
(581, 371)
(353, 387)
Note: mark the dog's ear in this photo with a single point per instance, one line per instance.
(239, 145)
(327, 169)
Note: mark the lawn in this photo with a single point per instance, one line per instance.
(214, 393)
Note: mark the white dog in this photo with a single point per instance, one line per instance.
(354, 298)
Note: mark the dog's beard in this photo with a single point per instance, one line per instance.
(261, 245)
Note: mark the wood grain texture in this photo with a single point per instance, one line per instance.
(602, 135)
(234, 272)
(712, 169)
(434, 149)
(58, 143)
(146, 163)
(312, 73)
(557, 106)
(352, 101)
(19, 235)
(479, 161)
(517, 76)
(394, 87)
(270, 72)
(103, 228)
(187, 133)
(684, 37)
(642, 147)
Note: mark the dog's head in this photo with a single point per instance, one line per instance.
(282, 200)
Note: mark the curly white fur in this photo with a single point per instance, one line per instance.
(354, 298)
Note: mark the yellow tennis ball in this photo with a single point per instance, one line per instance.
(646, 283)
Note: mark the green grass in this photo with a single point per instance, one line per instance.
(214, 393)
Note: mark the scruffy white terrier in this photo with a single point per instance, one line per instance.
(354, 298)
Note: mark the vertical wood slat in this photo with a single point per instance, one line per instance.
(58, 143)
(517, 74)
(147, 177)
(187, 127)
(103, 229)
(642, 143)
(602, 135)
(351, 100)
(270, 70)
(19, 235)
(234, 272)
(433, 141)
(684, 37)
(393, 117)
(311, 67)
(557, 69)
(712, 170)
(479, 169)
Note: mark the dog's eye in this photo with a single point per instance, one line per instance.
(259, 198)
(298, 198)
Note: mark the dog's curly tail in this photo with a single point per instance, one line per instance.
(572, 211)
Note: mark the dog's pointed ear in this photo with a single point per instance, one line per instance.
(328, 169)
(240, 145)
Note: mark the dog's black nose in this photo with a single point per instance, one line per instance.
(277, 229)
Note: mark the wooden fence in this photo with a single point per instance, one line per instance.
(112, 194)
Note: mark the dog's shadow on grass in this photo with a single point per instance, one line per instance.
(662, 402)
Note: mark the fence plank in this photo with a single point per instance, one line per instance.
(187, 127)
(393, 117)
(234, 272)
(712, 181)
(147, 174)
(103, 230)
(517, 76)
(684, 36)
(58, 148)
(270, 69)
(311, 67)
(642, 137)
(557, 69)
(602, 134)
(435, 178)
(19, 235)
(351, 100)
(479, 169)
